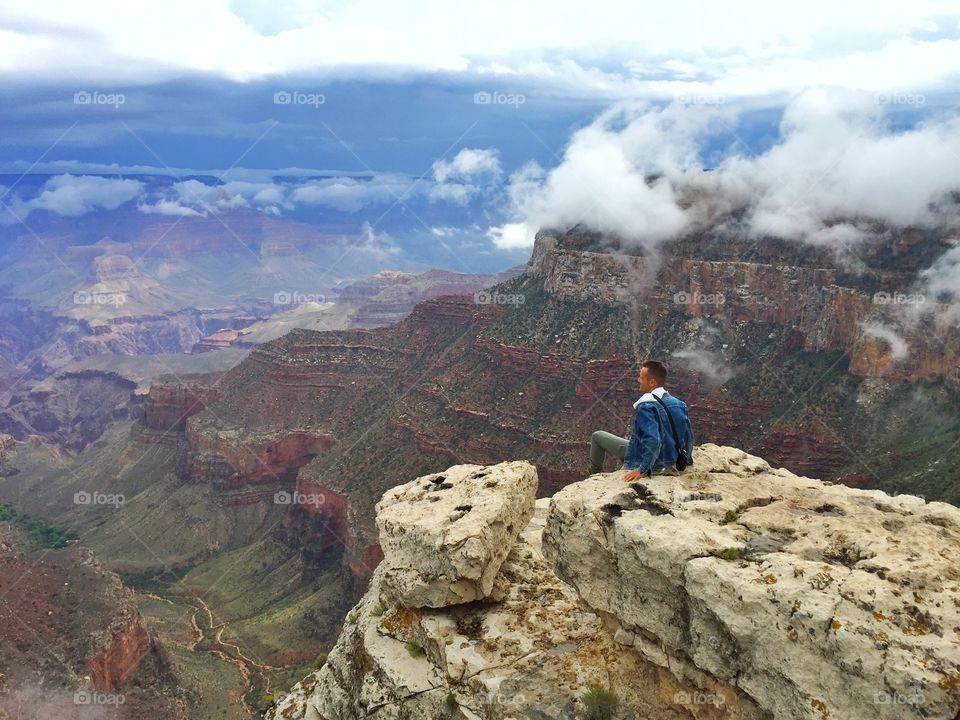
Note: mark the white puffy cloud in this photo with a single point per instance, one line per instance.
(350, 194)
(618, 175)
(838, 166)
(468, 164)
(839, 160)
(941, 281)
(168, 207)
(468, 173)
(266, 196)
(710, 365)
(512, 236)
(74, 195)
(736, 47)
(704, 356)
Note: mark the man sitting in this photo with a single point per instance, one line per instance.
(651, 448)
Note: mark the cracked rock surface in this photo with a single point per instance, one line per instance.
(815, 600)
(444, 536)
(528, 650)
(733, 591)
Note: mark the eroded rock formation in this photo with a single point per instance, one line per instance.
(734, 590)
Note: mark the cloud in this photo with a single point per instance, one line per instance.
(618, 175)
(941, 281)
(512, 236)
(838, 159)
(837, 170)
(697, 356)
(899, 350)
(350, 194)
(168, 207)
(267, 196)
(378, 246)
(604, 47)
(75, 195)
(470, 172)
(469, 163)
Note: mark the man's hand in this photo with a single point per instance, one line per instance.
(632, 476)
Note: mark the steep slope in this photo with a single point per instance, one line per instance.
(67, 625)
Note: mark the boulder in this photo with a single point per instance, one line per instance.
(814, 600)
(532, 653)
(444, 536)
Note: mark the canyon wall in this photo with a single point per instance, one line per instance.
(768, 356)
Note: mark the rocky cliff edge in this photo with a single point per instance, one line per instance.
(732, 591)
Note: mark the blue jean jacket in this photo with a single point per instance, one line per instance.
(651, 445)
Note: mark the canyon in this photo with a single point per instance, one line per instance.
(789, 373)
(264, 453)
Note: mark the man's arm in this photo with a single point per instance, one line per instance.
(644, 447)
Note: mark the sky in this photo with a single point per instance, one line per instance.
(484, 122)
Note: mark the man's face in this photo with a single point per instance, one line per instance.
(647, 383)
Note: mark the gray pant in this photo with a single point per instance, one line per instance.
(603, 444)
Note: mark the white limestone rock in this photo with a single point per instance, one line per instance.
(444, 536)
(816, 600)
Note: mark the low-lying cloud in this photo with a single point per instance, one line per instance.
(899, 350)
(838, 169)
(72, 196)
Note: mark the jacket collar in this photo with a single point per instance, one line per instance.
(649, 397)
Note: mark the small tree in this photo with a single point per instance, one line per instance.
(600, 703)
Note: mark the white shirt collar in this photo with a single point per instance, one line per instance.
(658, 392)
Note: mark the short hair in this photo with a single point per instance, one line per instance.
(657, 370)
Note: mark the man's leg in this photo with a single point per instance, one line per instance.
(604, 443)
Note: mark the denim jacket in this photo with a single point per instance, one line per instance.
(651, 445)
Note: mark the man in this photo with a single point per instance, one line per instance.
(651, 448)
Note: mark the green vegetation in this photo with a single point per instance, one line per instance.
(415, 649)
(729, 554)
(266, 701)
(729, 516)
(41, 533)
(600, 703)
(580, 328)
(320, 660)
(379, 609)
(451, 702)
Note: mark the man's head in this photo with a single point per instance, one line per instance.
(653, 374)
